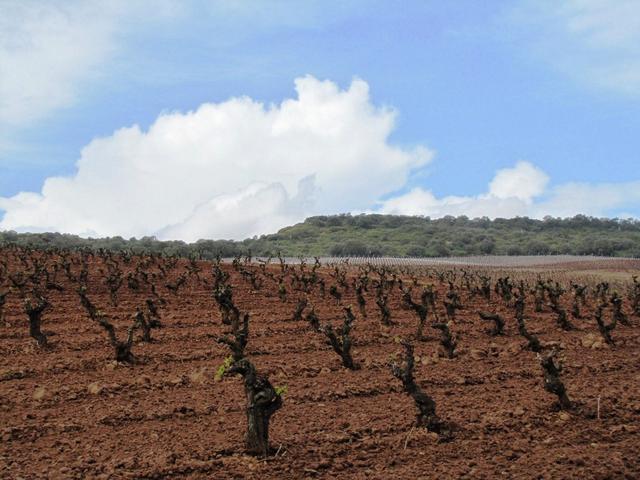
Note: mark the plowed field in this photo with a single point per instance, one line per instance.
(71, 411)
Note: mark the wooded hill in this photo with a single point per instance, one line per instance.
(389, 235)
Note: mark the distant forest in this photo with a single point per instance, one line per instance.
(387, 235)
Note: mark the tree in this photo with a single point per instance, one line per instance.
(605, 329)
(533, 342)
(301, 305)
(122, 348)
(34, 306)
(313, 319)
(426, 416)
(554, 293)
(263, 400)
(618, 314)
(341, 341)
(237, 339)
(3, 300)
(385, 314)
(447, 339)
(498, 327)
(421, 309)
(552, 382)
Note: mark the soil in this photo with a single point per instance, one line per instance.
(71, 411)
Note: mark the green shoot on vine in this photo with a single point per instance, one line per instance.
(223, 368)
(281, 390)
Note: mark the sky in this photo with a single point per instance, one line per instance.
(234, 118)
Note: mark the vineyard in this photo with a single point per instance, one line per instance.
(511, 261)
(116, 365)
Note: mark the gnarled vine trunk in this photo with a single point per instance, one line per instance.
(262, 403)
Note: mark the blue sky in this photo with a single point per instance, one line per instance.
(500, 95)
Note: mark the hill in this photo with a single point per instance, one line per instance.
(391, 235)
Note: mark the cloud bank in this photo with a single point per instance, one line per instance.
(227, 170)
(522, 191)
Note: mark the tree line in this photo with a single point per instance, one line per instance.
(384, 235)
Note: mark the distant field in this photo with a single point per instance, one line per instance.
(564, 268)
(501, 261)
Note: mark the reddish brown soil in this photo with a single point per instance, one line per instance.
(71, 412)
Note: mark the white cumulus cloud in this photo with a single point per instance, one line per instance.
(524, 182)
(521, 191)
(598, 200)
(257, 209)
(227, 170)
